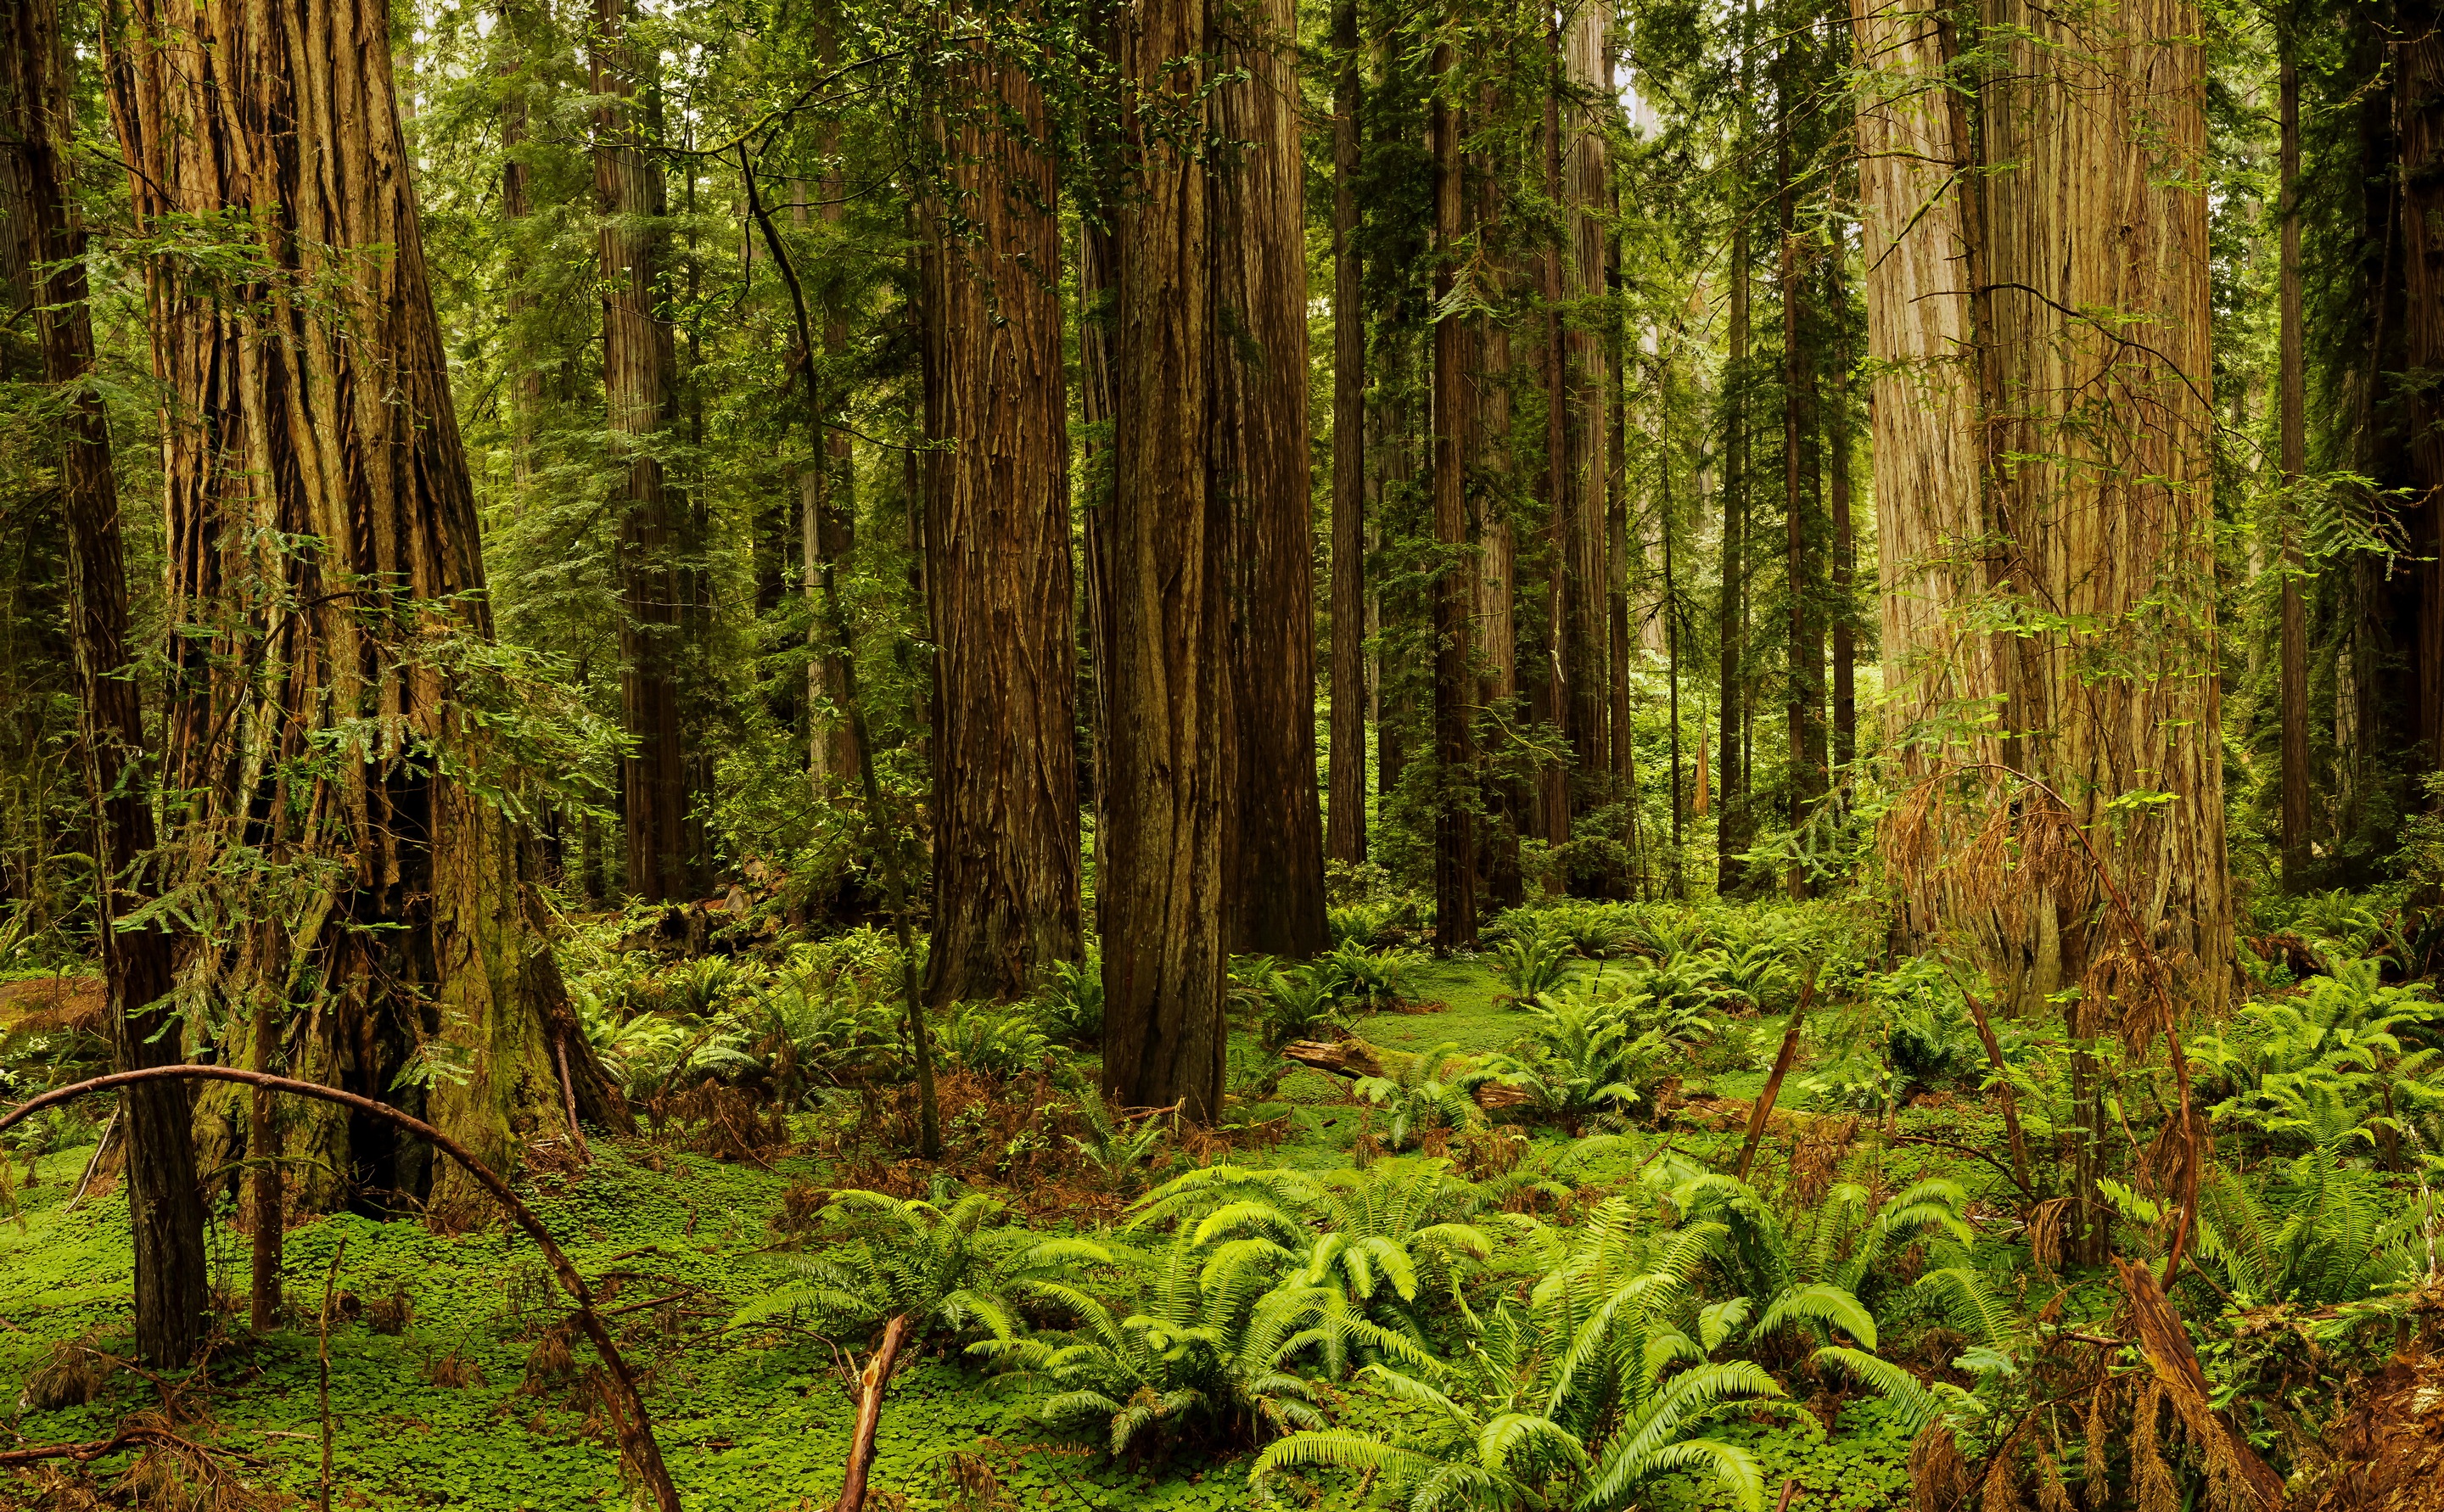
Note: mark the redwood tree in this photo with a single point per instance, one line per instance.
(1274, 845)
(1006, 868)
(1345, 820)
(357, 890)
(1161, 885)
(639, 389)
(165, 1209)
(1454, 590)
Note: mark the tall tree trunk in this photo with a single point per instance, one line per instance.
(1454, 596)
(1803, 691)
(517, 55)
(1587, 192)
(1730, 829)
(1006, 872)
(1097, 294)
(1845, 556)
(323, 550)
(1345, 822)
(640, 383)
(1497, 603)
(1623, 736)
(2418, 118)
(1165, 959)
(828, 498)
(2292, 674)
(1557, 665)
(165, 1209)
(1273, 846)
(1667, 523)
(2101, 554)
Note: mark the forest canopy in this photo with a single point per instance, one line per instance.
(1476, 756)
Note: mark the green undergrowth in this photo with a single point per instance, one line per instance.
(754, 1422)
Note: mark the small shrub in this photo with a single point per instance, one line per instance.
(991, 1041)
(1531, 964)
(453, 1371)
(1299, 1006)
(69, 1375)
(1070, 1003)
(1373, 981)
(389, 1315)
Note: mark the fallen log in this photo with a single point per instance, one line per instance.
(1357, 1059)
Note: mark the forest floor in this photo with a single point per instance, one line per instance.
(461, 1403)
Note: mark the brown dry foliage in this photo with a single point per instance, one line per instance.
(1014, 1136)
(71, 1375)
(2388, 1444)
(1939, 1476)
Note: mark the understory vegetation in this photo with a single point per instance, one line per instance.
(1508, 1266)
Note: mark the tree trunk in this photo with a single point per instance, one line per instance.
(1165, 960)
(1730, 830)
(1006, 871)
(1666, 524)
(1274, 845)
(1497, 606)
(165, 1210)
(1843, 568)
(323, 550)
(1345, 821)
(2418, 117)
(2292, 674)
(828, 502)
(1552, 823)
(1623, 790)
(639, 380)
(1454, 598)
(517, 203)
(1802, 690)
(1588, 191)
(2101, 524)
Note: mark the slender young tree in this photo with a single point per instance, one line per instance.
(828, 490)
(1801, 691)
(1274, 845)
(1731, 631)
(1552, 817)
(165, 1205)
(2292, 674)
(640, 385)
(1345, 820)
(1005, 811)
(1454, 595)
(1160, 888)
(325, 573)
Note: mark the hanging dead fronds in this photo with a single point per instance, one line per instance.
(2175, 1367)
(2150, 1477)
(2096, 1479)
(2052, 1495)
(1939, 1476)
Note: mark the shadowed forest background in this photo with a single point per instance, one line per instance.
(1196, 753)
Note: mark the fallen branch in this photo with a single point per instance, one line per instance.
(1763, 1108)
(1353, 1059)
(872, 1382)
(636, 1444)
(85, 1453)
(109, 1127)
(1356, 1060)
(2166, 1344)
(1967, 1150)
